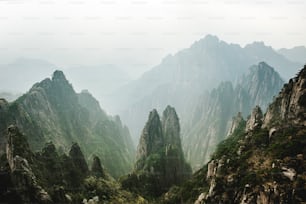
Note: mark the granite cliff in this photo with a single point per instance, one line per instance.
(210, 117)
(160, 161)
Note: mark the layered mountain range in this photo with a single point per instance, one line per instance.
(52, 111)
(210, 117)
(262, 161)
(181, 78)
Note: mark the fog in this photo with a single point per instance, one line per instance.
(132, 36)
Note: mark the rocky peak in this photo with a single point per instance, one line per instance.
(171, 127)
(255, 121)
(58, 76)
(3, 103)
(290, 104)
(236, 121)
(151, 138)
(160, 159)
(78, 158)
(261, 83)
(16, 145)
(96, 167)
(49, 150)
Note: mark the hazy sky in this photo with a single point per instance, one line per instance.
(136, 34)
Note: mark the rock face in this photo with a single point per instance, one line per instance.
(152, 138)
(235, 123)
(160, 160)
(255, 120)
(210, 119)
(247, 169)
(53, 111)
(47, 176)
(22, 176)
(78, 159)
(171, 127)
(290, 105)
(96, 168)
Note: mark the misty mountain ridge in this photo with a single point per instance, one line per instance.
(296, 54)
(262, 161)
(211, 115)
(101, 80)
(52, 111)
(179, 79)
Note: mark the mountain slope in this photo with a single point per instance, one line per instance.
(48, 176)
(179, 79)
(210, 118)
(296, 54)
(263, 162)
(52, 111)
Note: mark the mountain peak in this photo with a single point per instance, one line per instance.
(58, 76)
(171, 127)
(211, 38)
(153, 115)
(152, 137)
(208, 40)
(78, 158)
(256, 44)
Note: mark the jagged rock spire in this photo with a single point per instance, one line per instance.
(236, 121)
(18, 156)
(255, 120)
(171, 127)
(96, 168)
(78, 158)
(152, 136)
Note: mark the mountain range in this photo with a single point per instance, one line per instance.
(262, 161)
(52, 111)
(181, 78)
(210, 117)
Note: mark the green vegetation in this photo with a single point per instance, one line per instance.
(230, 145)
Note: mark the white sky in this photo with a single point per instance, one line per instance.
(137, 34)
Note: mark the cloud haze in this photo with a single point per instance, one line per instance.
(136, 34)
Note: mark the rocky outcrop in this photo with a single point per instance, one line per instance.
(96, 168)
(247, 169)
(171, 127)
(78, 158)
(160, 159)
(290, 105)
(22, 176)
(255, 120)
(151, 139)
(236, 121)
(210, 118)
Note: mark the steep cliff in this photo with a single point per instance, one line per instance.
(289, 106)
(264, 163)
(210, 118)
(160, 160)
(52, 111)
